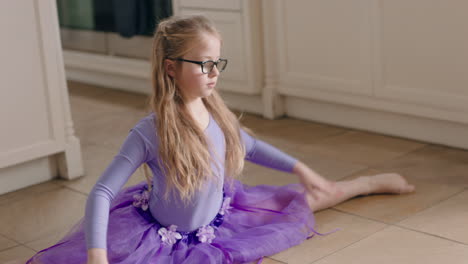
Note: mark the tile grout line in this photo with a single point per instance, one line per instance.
(429, 234)
(62, 187)
(432, 205)
(17, 244)
(360, 216)
(8, 248)
(365, 237)
(398, 224)
(9, 238)
(76, 191)
(388, 225)
(399, 221)
(282, 262)
(374, 166)
(31, 248)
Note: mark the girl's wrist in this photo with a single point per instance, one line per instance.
(304, 172)
(300, 169)
(97, 254)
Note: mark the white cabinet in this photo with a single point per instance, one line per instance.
(363, 63)
(325, 45)
(422, 55)
(389, 66)
(240, 26)
(36, 125)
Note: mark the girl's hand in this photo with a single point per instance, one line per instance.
(313, 182)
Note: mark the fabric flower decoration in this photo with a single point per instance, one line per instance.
(169, 236)
(205, 234)
(141, 200)
(225, 206)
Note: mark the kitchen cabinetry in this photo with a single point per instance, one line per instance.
(394, 67)
(37, 141)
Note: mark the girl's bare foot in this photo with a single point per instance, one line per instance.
(389, 183)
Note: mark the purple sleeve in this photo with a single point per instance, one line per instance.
(262, 153)
(131, 155)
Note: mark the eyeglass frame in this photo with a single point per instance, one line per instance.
(202, 63)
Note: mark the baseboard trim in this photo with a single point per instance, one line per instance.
(27, 173)
(411, 127)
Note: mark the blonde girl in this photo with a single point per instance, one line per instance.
(191, 208)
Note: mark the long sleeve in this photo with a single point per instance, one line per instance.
(262, 153)
(131, 155)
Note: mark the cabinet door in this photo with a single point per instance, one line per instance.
(424, 53)
(31, 111)
(240, 72)
(324, 47)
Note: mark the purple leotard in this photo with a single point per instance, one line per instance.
(141, 146)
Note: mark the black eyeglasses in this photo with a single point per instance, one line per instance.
(208, 65)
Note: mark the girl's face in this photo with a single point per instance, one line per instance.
(190, 79)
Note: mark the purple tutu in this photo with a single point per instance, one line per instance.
(254, 221)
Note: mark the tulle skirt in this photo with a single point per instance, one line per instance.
(257, 221)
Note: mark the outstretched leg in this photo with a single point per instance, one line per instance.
(364, 185)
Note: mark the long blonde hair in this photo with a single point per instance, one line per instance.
(183, 149)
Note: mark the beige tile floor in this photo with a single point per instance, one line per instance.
(428, 226)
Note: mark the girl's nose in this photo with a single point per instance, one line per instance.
(215, 71)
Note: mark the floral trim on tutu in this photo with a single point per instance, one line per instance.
(169, 234)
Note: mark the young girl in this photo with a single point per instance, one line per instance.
(191, 209)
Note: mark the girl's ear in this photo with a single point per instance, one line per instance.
(169, 67)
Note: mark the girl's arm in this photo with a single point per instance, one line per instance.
(262, 153)
(132, 154)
